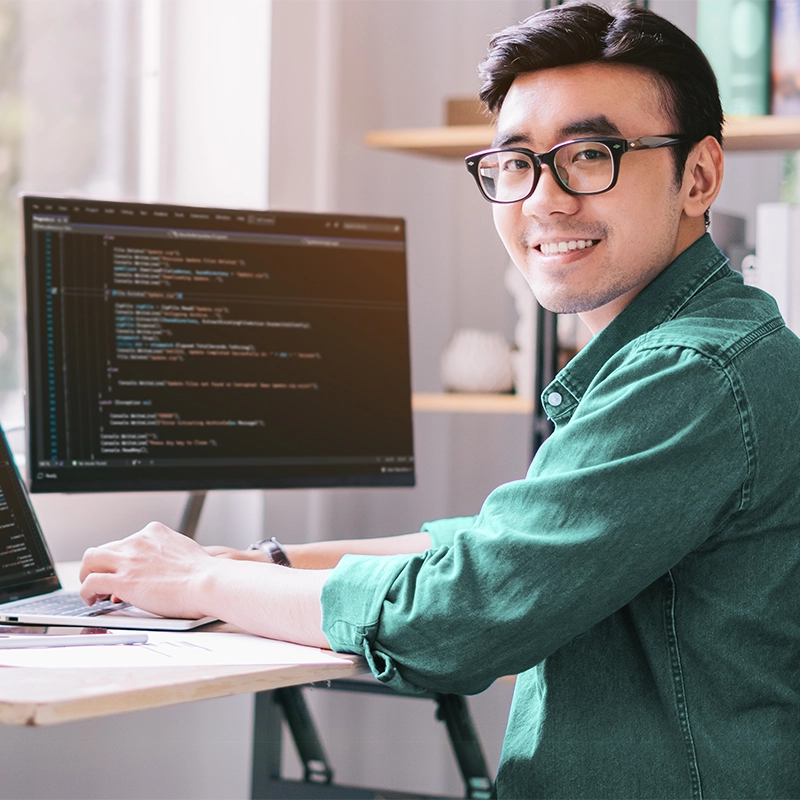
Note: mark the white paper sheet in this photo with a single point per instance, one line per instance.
(174, 649)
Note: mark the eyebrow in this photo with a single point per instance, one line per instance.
(599, 125)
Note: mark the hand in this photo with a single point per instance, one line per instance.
(156, 569)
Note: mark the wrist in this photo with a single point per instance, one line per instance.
(202, 586)
(273, 551)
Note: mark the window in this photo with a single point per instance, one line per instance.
(126, 99)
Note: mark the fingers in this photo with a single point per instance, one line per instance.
(107, 557)
(98, 586)
(100, 559)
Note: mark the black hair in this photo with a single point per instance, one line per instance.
(577, 33)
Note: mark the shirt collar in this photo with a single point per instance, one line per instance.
(659, 301)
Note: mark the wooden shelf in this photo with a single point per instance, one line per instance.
(453, 141)
(458, 141)
(472, 403)
(762, 133)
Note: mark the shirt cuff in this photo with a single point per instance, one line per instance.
(352, 599)
(353, 596)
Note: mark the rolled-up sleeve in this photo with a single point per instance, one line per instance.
(614, 499)
(443, 531)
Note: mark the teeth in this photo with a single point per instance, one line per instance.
(549, 248)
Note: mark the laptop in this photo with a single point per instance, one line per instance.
(30, 591)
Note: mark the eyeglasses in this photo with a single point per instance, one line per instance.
(580, 166)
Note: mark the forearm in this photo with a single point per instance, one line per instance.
(265, 599)
(326, 555)
(283, 603)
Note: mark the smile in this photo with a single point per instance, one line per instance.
(551, 248)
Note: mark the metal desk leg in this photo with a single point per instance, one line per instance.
(454, 712)
(266, 746)
(304, 733)
(270, 709)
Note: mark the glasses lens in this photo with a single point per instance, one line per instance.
(506, 176)
(585, 167)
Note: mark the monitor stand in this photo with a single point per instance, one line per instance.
(191, 514)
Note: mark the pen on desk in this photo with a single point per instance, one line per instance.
(71, 640)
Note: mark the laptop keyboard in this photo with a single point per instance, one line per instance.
(67, 604)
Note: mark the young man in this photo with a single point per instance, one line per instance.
(643, 579)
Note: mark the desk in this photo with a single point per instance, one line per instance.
(49, 696)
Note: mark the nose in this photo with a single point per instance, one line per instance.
(549, 198)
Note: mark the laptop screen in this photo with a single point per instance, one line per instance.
(24, 557)
(173, 347)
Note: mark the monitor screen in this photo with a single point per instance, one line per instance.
(174, 347)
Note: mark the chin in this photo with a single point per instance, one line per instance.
(560, 301)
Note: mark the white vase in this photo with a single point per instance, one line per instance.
(477, 361)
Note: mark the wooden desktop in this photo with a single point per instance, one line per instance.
(48, 696)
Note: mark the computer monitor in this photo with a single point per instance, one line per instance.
(183, 348)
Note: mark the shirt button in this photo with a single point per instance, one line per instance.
(554, 399)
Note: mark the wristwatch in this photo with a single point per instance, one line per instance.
(273, 549)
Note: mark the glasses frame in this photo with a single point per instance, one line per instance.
(618, 147)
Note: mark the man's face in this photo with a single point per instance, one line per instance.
(635, 229)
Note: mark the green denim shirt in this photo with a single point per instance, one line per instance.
(643, 580)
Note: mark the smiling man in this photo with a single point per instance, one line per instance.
(643, 579)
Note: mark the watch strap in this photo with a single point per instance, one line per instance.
(273, 549)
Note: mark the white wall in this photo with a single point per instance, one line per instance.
(215, 104)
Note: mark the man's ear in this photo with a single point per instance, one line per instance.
(702, 177)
